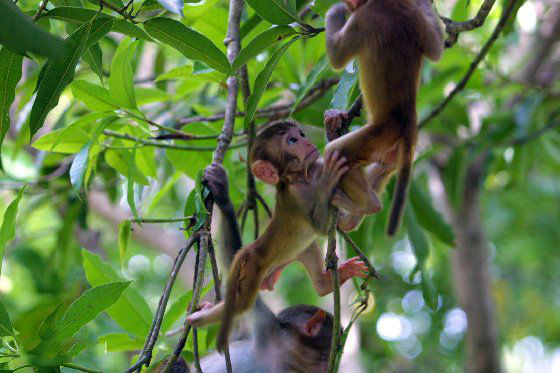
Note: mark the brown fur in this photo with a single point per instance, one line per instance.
(389, 39)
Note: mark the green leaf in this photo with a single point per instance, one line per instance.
(79, 166)
(8, 228)
(260, 43)
(121, 85)
(348, 81)
(131, 311)
(176, 73)
(119, 159)
(316, 72)
(454, 174)
(278, 12)
(6, 327)
(321, 6)
(429, 217)
(174, 6)
(130, 179)
(10, 74)
(429, 291)
(418, 239)
(114, 3)
(57, 75)
(95, 97)
(190, 43)
(175, 311)
(20, 34)
(124, 239)
(115, 342)
(90, 304)
(94, 58)
(81, 15)
(262, 81)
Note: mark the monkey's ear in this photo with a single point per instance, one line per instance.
(265, 171)
(313, 325)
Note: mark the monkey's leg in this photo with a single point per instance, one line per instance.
(355, 195)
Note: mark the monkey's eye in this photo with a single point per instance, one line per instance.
(302, 134)
(292, 140)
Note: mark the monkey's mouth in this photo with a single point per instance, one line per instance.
(311, 153)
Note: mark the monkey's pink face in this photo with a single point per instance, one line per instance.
(299, 146)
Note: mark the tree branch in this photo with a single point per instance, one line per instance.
(472, 68)
(331, 263)
(453, 28)
(165, 145)
(41, 9)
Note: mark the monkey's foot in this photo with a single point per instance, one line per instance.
(353, 267)
(270, 281)
(333, 119)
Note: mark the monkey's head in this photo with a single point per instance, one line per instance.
(352, 5)
(281, 148)
(311, 330)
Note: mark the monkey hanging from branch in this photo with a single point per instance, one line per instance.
(389, 39)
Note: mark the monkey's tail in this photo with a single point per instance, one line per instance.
(229, 307)
(401, 188)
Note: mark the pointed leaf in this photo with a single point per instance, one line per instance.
(260, 43)
(80, 15)
(57, 75)
(8, 228)
(6, 327)
(121, 85)
(94, 58)
(174, 6)
(278, 12)
(262, 81)
(417, 238)
(95, 97)
(121, 342)
(79, 166)
(90, 304)
(316, 72)
(131, 311)
(429, 291)
(124, 239)
(348, 81)
(20, 34)
(10, 74)
(429, 217)
(190, 43)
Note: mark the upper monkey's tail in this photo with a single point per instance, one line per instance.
(401, 188)
(229, 307)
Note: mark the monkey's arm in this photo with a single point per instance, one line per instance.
(314, 263)
(433, 34)
(343, 37)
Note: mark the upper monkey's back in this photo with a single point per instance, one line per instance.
(390, 62)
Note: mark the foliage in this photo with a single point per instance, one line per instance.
(128, 101)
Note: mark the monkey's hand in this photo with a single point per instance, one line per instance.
(353, 267)
(333, 169)
(333, 119)
(215, 178)
(197, 318)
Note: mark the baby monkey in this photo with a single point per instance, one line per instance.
(282, 156)
(389, 39)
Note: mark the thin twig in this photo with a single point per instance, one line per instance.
(472, 68)
(158, 144)
(160, 221)
(265, 205)
(146, 354)
(195, 351)
(79, 367)
(532, 136)
(193, 306)
(122, 11)
(41, 9)
(332, 266)
(453, 28)
(359, 252)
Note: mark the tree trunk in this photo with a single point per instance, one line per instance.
(471, 276)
